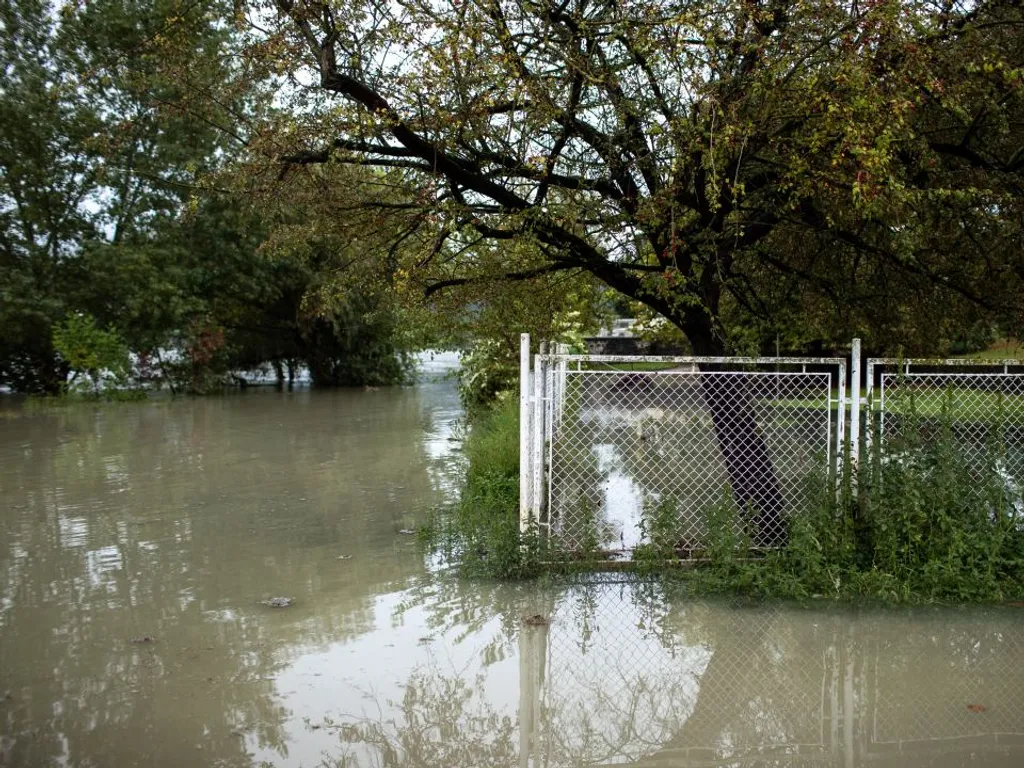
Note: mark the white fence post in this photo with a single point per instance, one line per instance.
(525, 476)
(537, 459)
(854, 410)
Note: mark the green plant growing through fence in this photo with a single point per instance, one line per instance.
(659, 533)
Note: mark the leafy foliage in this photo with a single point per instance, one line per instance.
(98, 356)
(118, 122)
(804, 169)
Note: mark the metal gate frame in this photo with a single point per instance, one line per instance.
(542, 387)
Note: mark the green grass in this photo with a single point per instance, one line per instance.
(1004, 349)
(967, 404)
(963, 404)
(638, 367)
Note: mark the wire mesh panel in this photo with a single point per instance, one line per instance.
(639, 454)
(981, 414)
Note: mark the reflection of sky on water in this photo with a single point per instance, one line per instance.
(362, 679)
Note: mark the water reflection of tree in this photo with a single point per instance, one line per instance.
(171, 521)
(443, 721)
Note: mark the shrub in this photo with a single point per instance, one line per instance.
(98, 359)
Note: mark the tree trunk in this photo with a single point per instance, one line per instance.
(755, 487)
(752, 479)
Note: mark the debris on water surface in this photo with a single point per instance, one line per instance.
(344, 557)
(143, 640)
(976, 707)
(536, 620)
(1015, 603)
(278, 602)
(407, 532)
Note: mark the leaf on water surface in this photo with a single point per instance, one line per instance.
(976, 707)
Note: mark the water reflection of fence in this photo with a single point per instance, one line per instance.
(707, 686)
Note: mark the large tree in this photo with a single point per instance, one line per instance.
(691, 155)
(688, 154)
(95, 155)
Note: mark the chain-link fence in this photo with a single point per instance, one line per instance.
(635, 455)
(621, 452)
(972, 408)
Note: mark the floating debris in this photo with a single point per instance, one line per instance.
(536, 620)
(278, 602)
(407, 532)
(344, 557)
(142, 640)
(976, 708)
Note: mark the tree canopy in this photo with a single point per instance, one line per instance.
(764, 160)
(281, 181)
(118, 122)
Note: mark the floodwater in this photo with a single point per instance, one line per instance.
(137, 542)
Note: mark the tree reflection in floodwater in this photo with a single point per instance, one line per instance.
(624, 676)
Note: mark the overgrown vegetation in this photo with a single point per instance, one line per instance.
(932, 522)
(481, 529)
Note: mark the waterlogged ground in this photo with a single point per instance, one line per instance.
(138, 541)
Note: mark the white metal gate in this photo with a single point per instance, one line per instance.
(617, 448)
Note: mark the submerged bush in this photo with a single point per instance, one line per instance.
(97, 359)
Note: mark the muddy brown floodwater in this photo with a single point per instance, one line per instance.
(141, 546)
